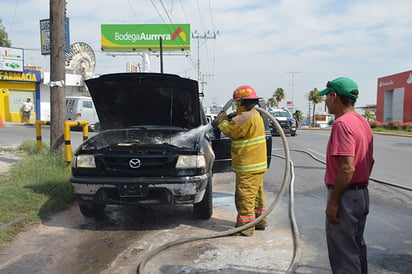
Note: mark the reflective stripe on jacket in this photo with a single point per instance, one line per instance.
(247, 132)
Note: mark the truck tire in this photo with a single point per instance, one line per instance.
(204, 209)
(91, 209)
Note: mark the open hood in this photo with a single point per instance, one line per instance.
(125, 100)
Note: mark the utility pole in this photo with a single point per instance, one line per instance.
(197, 36)
(203, 83)
(57, 74)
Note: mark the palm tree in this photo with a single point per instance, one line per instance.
(315, 99)
(279, 95)
(271, 102)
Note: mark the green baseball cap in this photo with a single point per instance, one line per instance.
(341, 85)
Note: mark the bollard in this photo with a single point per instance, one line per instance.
(38, 133)
(67, 141)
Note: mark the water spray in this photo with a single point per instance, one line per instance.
(284, 185)
(182, 138)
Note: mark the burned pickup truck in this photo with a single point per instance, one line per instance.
(155, 145)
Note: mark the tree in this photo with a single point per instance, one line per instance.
(4, 39)
(279, 95)
(315, 98)
(271, 102)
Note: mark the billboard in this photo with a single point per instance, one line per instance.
(145, 37)
(11, 59)
(45, 36)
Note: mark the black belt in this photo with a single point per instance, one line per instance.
(350, 187)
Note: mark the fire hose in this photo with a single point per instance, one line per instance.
(229, 232)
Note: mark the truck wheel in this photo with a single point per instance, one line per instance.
(204, 209)
(91, 210)
(293, 133)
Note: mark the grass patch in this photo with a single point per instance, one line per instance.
(35, 187)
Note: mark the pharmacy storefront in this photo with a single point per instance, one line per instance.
(15, 88)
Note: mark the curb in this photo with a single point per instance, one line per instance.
(13, 124)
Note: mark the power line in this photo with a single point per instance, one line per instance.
(184, 12)
(131, 7)
(200, 16)
(158, 12)
(211, 17)
(14, 17)
(167, 13)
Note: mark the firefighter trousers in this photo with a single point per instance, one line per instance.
(250, 199)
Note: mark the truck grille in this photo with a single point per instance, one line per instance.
(148, 158)
(145, 162)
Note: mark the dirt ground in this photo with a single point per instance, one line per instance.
(71, 243)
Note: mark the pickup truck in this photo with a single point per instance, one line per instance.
(155, 146)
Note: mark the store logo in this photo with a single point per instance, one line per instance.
(179, 32)
(409, 81)
(384, 84)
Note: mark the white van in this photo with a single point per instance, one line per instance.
(82, 108)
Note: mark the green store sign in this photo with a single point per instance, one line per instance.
(124, 37)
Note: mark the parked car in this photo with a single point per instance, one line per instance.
(210, 117)
(82, 108)
(155, 146)
(286, 121)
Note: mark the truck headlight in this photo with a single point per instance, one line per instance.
(191, 161)
(85, 161)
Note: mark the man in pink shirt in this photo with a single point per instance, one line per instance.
(349, 163)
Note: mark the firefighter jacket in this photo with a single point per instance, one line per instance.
(247, 132)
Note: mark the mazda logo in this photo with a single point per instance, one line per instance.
(135, 163)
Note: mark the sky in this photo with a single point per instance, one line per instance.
(292, 44)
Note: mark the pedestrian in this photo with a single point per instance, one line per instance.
(249, 158)
(27, 108)
(349, 163)
(296, 116)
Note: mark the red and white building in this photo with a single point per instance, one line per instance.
(394, 99)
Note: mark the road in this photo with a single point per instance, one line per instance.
(13, 134)
(388, 231)
(69, 242)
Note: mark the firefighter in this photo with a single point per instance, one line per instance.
(249, 158)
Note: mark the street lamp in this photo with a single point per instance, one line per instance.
(293, 81)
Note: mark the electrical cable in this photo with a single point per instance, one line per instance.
(229, 232)
(14, 17)
(167, 13)
(200, 16)
(158, 12)
(211, 16)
